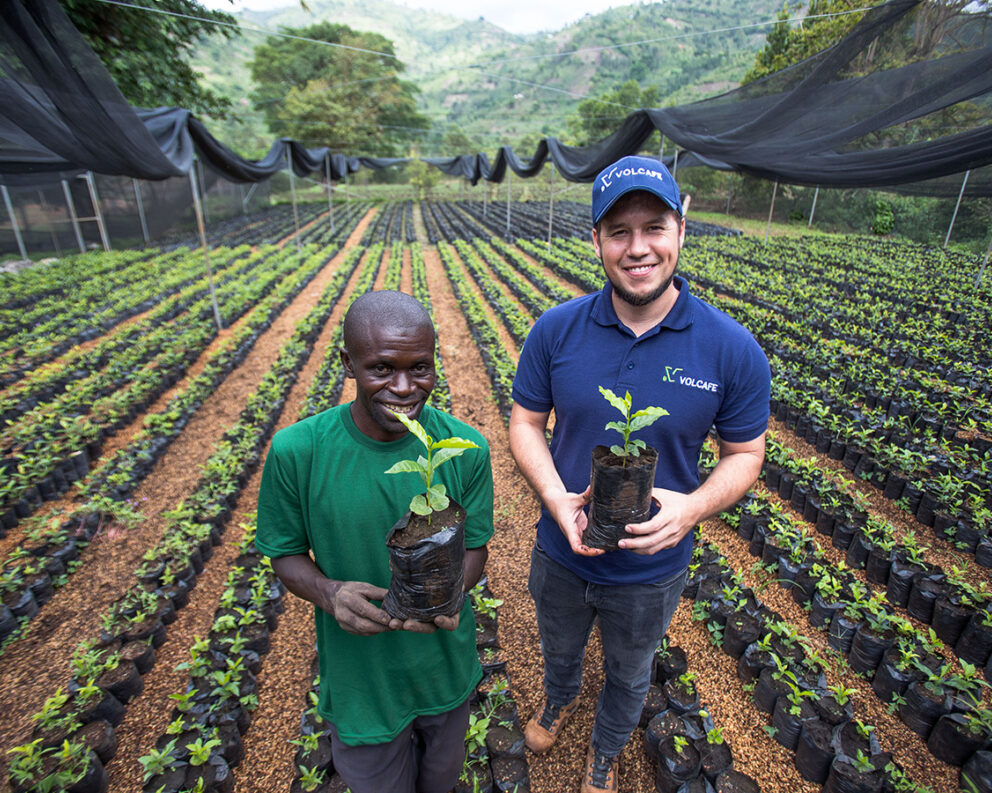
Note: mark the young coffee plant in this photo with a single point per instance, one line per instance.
(633, 422)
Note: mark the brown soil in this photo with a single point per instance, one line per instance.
(420, 527)
(34, 666)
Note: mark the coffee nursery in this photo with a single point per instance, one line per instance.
(835, 633)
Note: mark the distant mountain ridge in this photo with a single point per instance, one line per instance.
(500, 87)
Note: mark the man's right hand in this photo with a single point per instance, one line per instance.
(567, 510)
(348, 602)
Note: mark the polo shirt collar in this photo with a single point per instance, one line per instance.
(678, 318)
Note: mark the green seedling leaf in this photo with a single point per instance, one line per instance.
(405, 467)
(618, 450)
(414, 426)
(623, 405)
(419, 505)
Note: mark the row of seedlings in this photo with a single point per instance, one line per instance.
(49, 552)
(98, 304)
(499, 366)
(565, 264)
(786, 680)
(43, 444)
(203, 741)
(108, 670)
(956, 609)
(41, 383)
(516, 321)
(511, 255)
(441, 395)
(680, 736)
(906, 668)
(39, 349)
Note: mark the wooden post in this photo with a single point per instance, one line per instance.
(198, 210)
(292, 192)
(141, 210)
(330, 189)
(551, 201)
(13, 222)
(508, 172)
(730, 192)
(72, 216)
(957, 206)
(985, 261)
(813, 208)
(91, 184)
(771, 209)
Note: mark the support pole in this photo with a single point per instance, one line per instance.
(485, 198)
(51, 225)
(198, 209)
(13, 222)
(292, 191)
(330, 190)
(675, 166)
(812, 210)
(551, 201)
(73, 217)
(957, 206)
(203, 190)
(244, 201)
(661, 149)
(91, 184)
(730, 192)
(771, 209)
(141, 210)
(508, 173)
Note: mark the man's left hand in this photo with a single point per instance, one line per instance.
(445, 623)
(674, 520)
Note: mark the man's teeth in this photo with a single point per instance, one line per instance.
(642, 269)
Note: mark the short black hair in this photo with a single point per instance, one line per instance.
(384, 308)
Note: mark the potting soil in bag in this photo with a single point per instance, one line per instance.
(621, 494)
(428, 571)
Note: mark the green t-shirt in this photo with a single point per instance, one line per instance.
(324, 491)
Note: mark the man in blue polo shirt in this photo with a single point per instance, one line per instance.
(646, 334)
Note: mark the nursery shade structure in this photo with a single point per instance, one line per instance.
(63, 115)
(903, 102)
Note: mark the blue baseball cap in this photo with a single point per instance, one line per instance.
(633, 173)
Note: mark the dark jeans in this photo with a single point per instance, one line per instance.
(632, 621)
(426, 757)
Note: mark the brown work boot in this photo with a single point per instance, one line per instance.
(601, 773)
(542, 730)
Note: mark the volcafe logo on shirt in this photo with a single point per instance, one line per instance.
(673, 374)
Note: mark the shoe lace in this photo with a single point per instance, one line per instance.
(549, 715)
(599, 770)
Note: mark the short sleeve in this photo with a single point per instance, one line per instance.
(477, 499)
(743, 414)
(532, 382)
(281, 530)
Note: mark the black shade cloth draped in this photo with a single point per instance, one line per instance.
(822, 121)
(62, 114)
(826, 121)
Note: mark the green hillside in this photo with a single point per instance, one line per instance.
(499, 87)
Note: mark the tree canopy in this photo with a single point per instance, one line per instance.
(147, 53)
(599, 116)
(346, 93)
(786, 45)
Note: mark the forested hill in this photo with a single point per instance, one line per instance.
(482, 79)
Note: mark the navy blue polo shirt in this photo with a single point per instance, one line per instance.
(699, 364)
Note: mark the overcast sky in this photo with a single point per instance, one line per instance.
(517, 16)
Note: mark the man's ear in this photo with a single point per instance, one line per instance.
(595, 240)
(349, 370)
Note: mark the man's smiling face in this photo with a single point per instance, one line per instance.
(394, 371)
(638, 241)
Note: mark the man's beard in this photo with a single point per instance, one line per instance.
(640, 300)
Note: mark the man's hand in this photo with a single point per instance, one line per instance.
(348, 602)
(674, 520)
(567, 510)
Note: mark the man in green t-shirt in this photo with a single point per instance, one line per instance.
(394, 692)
